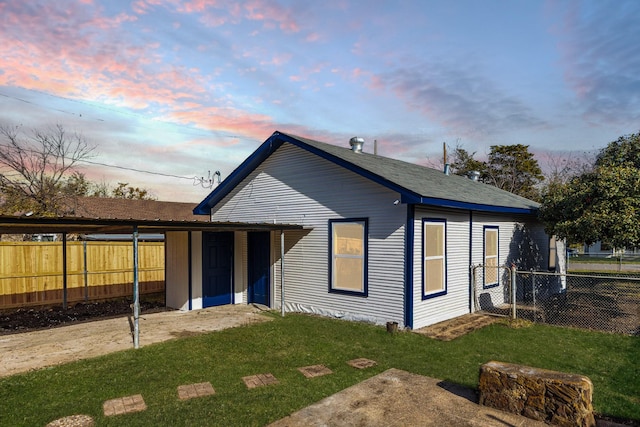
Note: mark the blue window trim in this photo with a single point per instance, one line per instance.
(408, 269)
(444, 291)
(484, 256)
(365, 291)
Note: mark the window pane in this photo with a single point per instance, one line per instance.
(434, 240)
(491, 242)
(553, 252)
(434, 275)
(349, 274)
(348, 238)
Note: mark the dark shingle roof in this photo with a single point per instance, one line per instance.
(111, 208)
(416, 184)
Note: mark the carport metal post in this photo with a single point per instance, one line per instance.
(282, 272)
(64, 271)
(136, 292)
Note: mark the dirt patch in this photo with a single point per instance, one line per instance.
(32, 319)
(21, 352)
(400, 398)
(454, 328)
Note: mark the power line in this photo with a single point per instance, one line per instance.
(114, 166)
(136, 170)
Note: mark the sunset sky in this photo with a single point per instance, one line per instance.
(179, 88)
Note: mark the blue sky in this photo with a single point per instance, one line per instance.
(181, 88)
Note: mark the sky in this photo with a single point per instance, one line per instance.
(170, 91)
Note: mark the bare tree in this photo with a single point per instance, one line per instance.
(36, 170)
(560, 169)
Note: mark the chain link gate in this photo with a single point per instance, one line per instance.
(492, 290)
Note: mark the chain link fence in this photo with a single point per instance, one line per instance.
(604, 301)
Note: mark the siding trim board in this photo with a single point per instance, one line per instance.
(408, 269)
(190, 271)
(444, 203)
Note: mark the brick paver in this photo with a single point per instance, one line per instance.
(362, 363)
(189, 391)
(315, 371)
(124, 405)
(259, 380)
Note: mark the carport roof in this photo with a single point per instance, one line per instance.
(80, 225)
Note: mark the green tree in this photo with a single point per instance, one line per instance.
(125, 191)
(602, 204)
(513, 168)
(465, 162)
(625, 150)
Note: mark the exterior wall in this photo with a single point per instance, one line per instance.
(522, 241)
(456, 301)
(196, 270)
(177, 270)
(293, 186)
(240, 267)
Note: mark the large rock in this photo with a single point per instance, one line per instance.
(554, 397)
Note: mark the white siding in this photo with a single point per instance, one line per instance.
(240, 270)
(456, 301)
(196, 270)
(177, 269)
(523, 243)
(293, 186)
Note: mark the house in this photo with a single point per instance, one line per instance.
(379, 239)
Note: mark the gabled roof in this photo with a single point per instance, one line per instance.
(416, 184)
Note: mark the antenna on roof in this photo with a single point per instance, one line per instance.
(206, 182)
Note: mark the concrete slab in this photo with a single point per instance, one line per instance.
(400, 398)
(34, 350)
(78, 420)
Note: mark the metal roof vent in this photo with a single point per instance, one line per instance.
(474, 175)
(356, 144)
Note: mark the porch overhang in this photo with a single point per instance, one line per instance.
(81, 225)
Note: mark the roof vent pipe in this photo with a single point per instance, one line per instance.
(356, 144)
(447, 169)
(474, 175)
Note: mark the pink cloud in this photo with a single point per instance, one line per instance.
(271, 14)
(313, 37)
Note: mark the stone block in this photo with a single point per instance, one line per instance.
(553, 397)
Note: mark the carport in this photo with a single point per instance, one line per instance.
(82, 225)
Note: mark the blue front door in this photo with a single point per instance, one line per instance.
(258, 260)
(217, 268)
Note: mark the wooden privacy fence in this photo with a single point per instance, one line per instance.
(31, 273)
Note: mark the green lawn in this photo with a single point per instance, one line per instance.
(280, 346)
